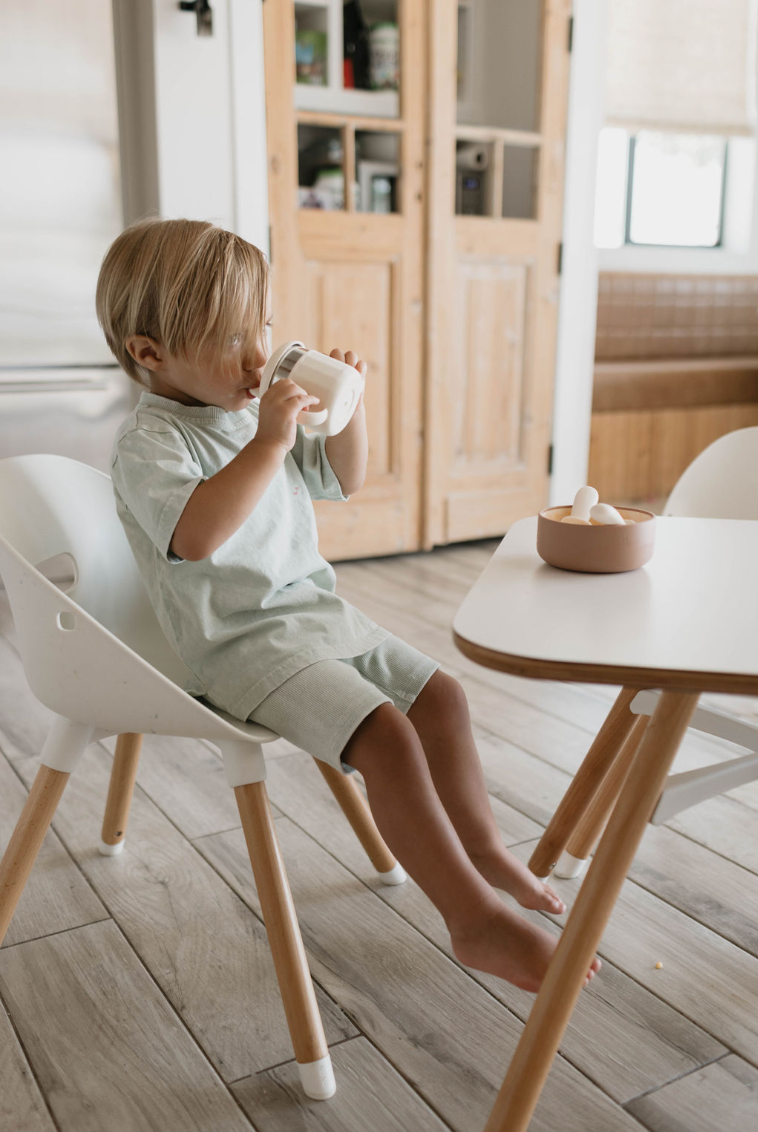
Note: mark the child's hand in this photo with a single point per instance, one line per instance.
(277, 415)
(352, 359)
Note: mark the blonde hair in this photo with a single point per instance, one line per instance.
(184, 283)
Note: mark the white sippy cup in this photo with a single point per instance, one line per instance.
(336, 384)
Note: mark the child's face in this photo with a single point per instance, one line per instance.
(228, 382)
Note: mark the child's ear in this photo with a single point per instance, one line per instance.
(146, 351)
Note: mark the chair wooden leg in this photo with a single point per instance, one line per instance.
(586, 781)
(565, 977)
(26, 839)
(588, 831)
(120, 790)
(356, 810)
(295, 984)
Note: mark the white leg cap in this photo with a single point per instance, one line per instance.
(317, 1078)
(398, 875)
(569, 866)
(111, 850)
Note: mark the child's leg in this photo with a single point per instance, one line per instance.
(485, 933)
(440, 716)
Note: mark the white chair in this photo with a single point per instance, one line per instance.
(96, 656)
(720, 483)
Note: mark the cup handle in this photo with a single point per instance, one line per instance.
(308, 418)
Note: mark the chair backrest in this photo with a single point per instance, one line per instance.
(722, 482)
(52, 506)
(94, 653)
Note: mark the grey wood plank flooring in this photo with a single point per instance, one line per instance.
(56, 896)
(407, 997)
(207, 952)
(622, 1036)
(371, 1094)
(142, 1072)
(21, 1103)
(140, 993)
(721, 1095)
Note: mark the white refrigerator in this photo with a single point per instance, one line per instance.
(60, 208)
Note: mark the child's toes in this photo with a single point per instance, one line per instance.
(594, 968)
(553, 902)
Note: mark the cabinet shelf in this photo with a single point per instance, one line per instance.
(338, 100)
(325, 118)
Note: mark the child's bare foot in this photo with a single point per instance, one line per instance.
(506, 872)
(503, 944)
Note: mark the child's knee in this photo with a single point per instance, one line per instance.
(385, 731)
(442, 698)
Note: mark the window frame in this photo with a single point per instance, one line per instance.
(630, 243)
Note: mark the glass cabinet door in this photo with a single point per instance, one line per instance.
(498, 73)
(347, 57)
(348, 76)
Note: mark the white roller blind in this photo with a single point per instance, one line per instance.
(683, 64)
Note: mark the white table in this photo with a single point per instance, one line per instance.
(686, 623)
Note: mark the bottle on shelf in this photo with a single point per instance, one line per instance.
(322, 179)
(356, 51)
(384, 56)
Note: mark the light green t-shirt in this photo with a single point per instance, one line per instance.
(262, 606)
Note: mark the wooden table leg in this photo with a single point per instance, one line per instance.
(586, 781)
(587, 833)
(565, 977)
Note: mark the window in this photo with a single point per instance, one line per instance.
(660, 188)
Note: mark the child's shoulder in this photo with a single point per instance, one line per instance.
(148, 417)
(145, 420)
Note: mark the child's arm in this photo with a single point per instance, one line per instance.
(347, 452)
(220, 505)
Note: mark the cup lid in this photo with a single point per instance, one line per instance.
(279, 353)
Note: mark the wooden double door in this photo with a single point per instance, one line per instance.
(450, 293)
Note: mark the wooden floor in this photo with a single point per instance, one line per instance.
(139, 993)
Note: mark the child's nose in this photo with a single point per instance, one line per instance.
(251, 360)
(261, 355)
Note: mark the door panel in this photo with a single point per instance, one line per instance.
(494, 229)
(492, 305)
(350, 305)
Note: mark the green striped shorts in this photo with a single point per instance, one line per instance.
(320, 707)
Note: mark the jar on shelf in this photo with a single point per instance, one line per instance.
(310, 57)
(381, 194)
(384, 56)
(330, 188)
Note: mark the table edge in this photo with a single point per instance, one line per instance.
(537, 668)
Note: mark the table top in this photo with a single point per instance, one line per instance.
(688, 620)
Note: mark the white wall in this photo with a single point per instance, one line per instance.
(582, 262)
(578, 297)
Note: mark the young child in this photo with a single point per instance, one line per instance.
(214, 489)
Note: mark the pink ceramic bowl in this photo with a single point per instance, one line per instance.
(596, 549)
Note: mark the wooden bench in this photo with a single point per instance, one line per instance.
(650, 419)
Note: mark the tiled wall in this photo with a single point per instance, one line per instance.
(674, 316)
